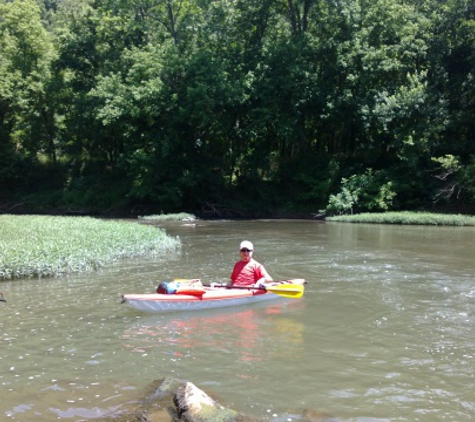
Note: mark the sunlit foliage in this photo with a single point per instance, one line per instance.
(261, 105)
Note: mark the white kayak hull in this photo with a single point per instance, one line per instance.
(212, 298)
(152, 303)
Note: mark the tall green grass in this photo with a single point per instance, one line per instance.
(407, 217)
(43, 246)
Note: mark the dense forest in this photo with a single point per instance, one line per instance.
(237, 106)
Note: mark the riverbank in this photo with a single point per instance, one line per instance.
(208, 211)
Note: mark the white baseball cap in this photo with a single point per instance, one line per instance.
(246, 245)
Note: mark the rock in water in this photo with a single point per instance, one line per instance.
(194, 405)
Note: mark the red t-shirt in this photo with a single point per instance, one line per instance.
(246, 273)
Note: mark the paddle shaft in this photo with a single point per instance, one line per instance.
(296, 281)
(236, 287)
(293, 291)
(285, 289)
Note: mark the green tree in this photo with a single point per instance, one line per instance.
(453, 79)
(27, 115)
(369, 191)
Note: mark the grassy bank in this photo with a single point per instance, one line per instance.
(42, 246)
(407, 217)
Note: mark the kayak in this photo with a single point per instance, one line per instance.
(214, 297)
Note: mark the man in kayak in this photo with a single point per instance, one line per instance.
(247, 271)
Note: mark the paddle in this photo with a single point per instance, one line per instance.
(292, 291)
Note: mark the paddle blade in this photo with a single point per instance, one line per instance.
(292, 291)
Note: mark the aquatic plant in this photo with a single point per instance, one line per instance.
(407, 217)
(41, 246)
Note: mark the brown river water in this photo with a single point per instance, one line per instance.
(384, 332)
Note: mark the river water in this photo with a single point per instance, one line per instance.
(384, 332)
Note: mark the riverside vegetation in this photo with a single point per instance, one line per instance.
(414, 218)
(42, 246)
(136, 107)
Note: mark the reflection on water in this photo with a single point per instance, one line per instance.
(384, 332)
(225, 329)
